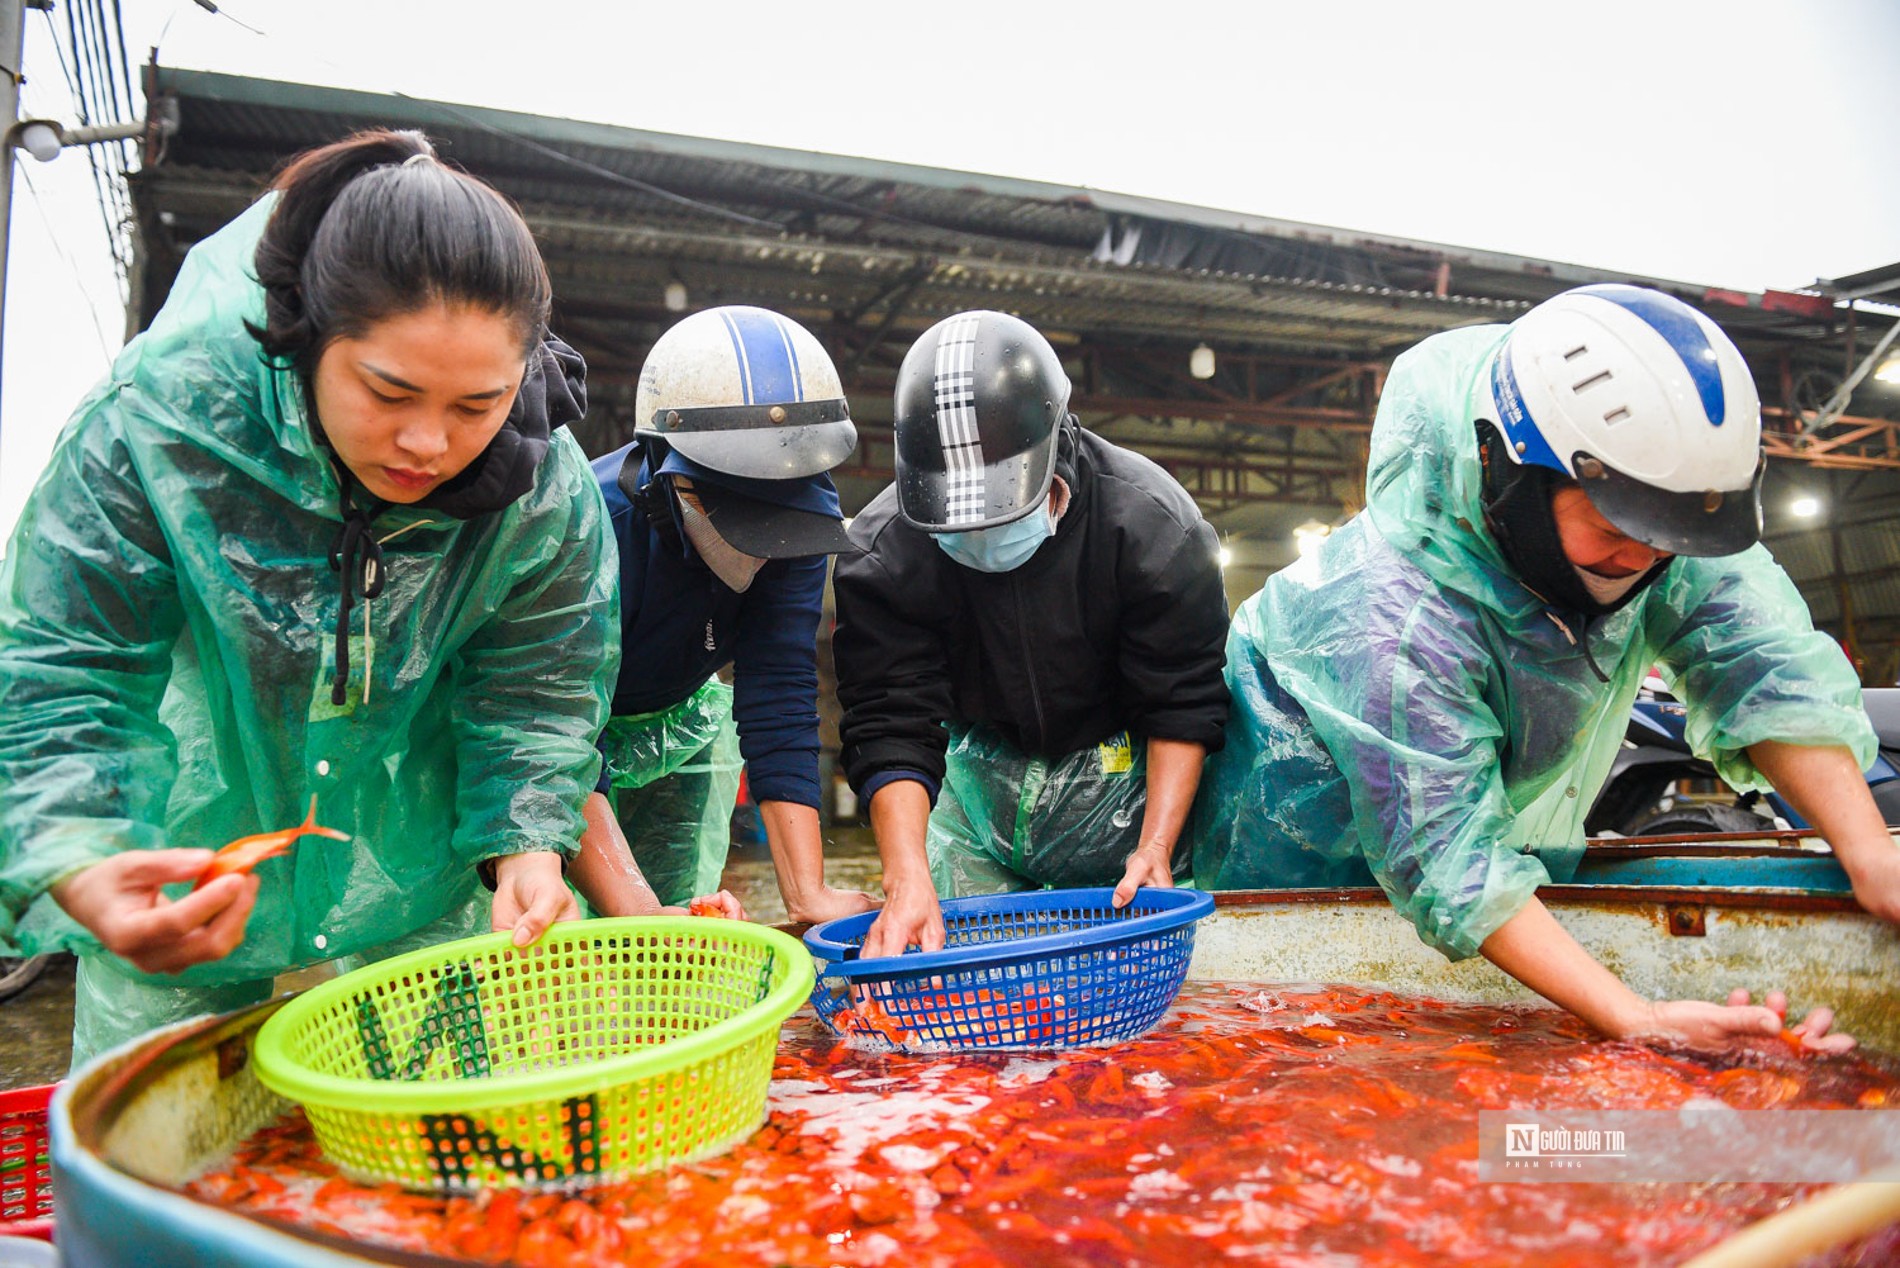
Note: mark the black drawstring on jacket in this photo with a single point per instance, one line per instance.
(358, 556)
(1581, 644)
(1584, 643)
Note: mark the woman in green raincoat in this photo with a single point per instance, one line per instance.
(1434, 699)
(319, 533)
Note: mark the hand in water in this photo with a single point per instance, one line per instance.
(1716, 1026)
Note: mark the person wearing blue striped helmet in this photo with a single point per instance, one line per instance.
(724, 516)
(1433, 699)
(1645, 407)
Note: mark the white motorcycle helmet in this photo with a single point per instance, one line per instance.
(747, 392)
(1647, 405)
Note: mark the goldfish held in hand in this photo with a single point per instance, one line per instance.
(245, 853)
(1794, 1039)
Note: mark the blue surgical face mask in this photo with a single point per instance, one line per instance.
(1002, 548)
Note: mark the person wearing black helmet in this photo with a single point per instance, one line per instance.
(723, 515)
(1029, 646)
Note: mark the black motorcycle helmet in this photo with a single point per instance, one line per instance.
(980, 401)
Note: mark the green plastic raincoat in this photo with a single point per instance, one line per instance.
(1404, 704)
(1006, 821)
(674, 777)
(167, 634)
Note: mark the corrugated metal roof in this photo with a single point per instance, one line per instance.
(836, 240)
(240, 123)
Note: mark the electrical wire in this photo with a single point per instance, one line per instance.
(843, 205)
(209, 7)
(59, 50)
(96, 84)
(125, 62)
(125, 107)
(79, 280)
(619, 178)
(84, 73)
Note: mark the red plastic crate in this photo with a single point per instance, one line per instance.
(26, 1172)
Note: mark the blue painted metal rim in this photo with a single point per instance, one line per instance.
(1807, 874)
(836, 941)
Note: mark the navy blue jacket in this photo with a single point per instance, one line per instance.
(679, 624)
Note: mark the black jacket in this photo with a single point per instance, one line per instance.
(1117, 622)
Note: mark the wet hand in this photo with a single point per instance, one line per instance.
(1813, 1033)
(1148, 865)
(830, 904)
(722, 905)
(121, 902)
(911, 917)
(530, 895)
(1714, 1027)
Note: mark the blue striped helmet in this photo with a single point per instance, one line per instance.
(1644, 402)
(745, 391)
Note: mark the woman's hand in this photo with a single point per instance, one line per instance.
(1148, 865)
(723, 905)
(1711, 1027)
(121, 902)
(530, 895)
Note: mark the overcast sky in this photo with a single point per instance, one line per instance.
(1743, 143)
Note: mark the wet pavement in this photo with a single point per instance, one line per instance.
(36, 1025)
(36, 1036)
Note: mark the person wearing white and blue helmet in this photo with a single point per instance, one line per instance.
(1435, 697)
(724, 514)
(1029, 644)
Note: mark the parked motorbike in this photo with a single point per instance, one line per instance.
(1637, 800)
(17, 973)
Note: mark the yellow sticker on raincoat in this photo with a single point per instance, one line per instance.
(1117, 754)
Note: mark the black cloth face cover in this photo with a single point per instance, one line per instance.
(1517, 511)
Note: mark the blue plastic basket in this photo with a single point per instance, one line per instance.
(1059, 968)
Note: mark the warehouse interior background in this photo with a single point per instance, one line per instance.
(1244, 354)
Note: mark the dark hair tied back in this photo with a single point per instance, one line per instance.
(362, 233)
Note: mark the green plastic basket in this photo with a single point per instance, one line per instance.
(608, 1048)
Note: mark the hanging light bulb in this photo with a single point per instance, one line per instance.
(675, 296)
(1201, 362)
(1308, 536)
(39, 138)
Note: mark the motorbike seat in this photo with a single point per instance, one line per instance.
(1883, 709)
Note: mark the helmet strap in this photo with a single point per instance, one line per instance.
(1517, 510)
(654, 498)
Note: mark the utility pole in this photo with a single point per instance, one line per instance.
(12, 52)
